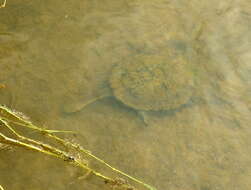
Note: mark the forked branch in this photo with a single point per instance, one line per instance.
(9, 117)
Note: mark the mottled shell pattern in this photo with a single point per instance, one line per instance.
(152, 83)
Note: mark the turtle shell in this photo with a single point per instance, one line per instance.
(152, 83)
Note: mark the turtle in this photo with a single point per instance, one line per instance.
(148, 83)
(157, 72)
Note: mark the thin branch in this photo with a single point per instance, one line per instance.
(2, 6)
(81, 149)
(8, 117)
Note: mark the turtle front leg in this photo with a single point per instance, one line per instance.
(143, 117)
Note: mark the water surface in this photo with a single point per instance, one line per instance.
(53, 53)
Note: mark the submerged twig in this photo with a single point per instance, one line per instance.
(2, 6)
(9, 117)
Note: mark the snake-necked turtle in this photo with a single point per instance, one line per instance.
(148, 83)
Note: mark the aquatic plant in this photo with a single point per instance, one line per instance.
(9, 119)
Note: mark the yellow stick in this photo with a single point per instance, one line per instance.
(79, 148)
(2, 6)
(8, 116)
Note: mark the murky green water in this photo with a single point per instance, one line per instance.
(55, 56)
